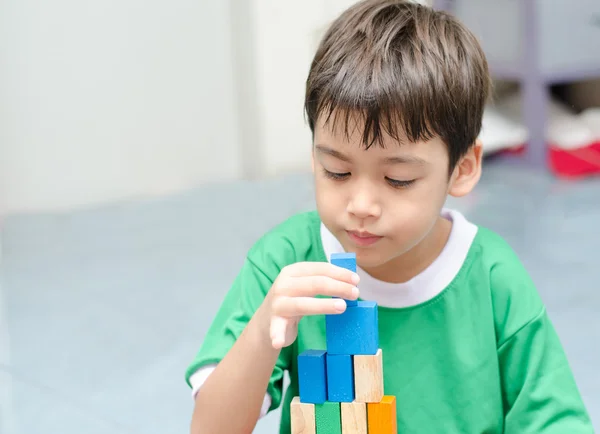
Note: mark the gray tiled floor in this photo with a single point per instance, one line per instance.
(101, 310)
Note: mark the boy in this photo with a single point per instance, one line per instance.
(394, 99)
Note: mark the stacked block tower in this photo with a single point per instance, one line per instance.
(341, 388)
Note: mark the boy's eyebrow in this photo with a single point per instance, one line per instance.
(405, 159)
(333, 153)
(400, 159)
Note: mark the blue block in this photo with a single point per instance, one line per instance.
(312, 376)
(347, 261)
(344, 260)
(354, 331)
(340, 378)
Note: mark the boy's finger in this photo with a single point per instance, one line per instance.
(310, 286)
(322, 269)
(278, 328)
(301, 306)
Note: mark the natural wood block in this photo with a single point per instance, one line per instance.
(354, 418)
(381, 416)
(302, 417)
(368, 377)
(328, 418)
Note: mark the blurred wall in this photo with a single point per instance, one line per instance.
(105, 100)
(285, 35)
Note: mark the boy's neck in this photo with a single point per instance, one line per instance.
(403, 268)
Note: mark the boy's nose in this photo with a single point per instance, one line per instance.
(363, 204)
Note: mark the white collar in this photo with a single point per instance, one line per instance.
(424, 286)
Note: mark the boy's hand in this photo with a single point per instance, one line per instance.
(292, 296)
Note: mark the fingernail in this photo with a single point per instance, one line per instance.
(355, 292)
(276, 343)
(355, 278)
(339, 305)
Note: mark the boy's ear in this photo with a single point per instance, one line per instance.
(467, 172)
(312, 159)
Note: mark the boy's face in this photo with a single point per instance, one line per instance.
(384, 203)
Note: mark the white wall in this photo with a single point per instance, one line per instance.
(285, 37)
(103, 100)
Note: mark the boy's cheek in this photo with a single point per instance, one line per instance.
(329, 204)
(328, 191)
(410, 220)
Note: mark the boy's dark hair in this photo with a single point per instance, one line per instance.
(405, 69)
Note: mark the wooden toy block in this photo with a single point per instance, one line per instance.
(355, 331)
(368, 378)
(302, 416)
(340, 378)
(348, 261)
(312, 376)
(328, 417)
(381, 416)
(354, 418)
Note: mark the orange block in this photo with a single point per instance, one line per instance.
(381, 416)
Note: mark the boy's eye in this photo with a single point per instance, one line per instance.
(335, 175)
(400, 184)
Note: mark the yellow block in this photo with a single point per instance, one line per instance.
(302, 417)
(368, 377)
(381, 416)
(354, 418)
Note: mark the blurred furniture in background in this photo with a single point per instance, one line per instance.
(537, 43)
(583, 94)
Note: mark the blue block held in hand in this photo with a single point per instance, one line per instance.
(347, 261)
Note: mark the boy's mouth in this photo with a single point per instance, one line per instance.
(363, 238)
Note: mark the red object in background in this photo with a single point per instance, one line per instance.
(575, 163)
(568, 163)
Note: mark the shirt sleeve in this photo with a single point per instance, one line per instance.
(242, 300)
(200, 376)
(540, 393)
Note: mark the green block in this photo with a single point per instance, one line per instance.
(329, 418)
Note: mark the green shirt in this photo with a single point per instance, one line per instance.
(479, 356)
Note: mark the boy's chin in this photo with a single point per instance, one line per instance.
(371, 258)
(378, 258)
